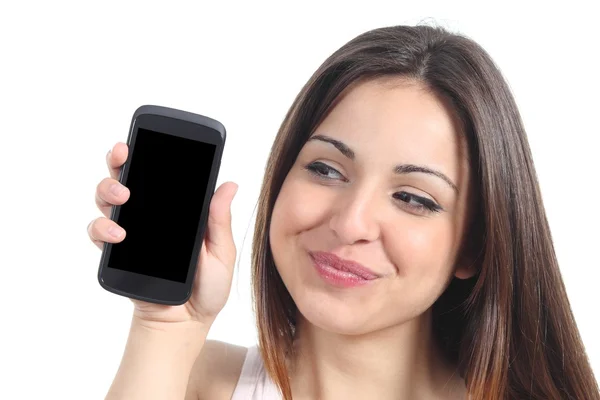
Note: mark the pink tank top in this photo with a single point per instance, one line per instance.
(254, 382)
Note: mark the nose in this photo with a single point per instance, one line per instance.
(355, 217)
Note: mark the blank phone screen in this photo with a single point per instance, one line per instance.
(168, 178)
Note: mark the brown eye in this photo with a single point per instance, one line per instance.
(418, 203)
(323, 170)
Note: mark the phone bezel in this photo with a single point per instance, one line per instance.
(182, 124)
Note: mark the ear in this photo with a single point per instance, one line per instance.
(465, 269)
(464, 273)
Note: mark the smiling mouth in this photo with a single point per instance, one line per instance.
(340, 272)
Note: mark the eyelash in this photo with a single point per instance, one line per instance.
(424, 205)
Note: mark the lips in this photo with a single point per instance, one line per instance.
(346, 266)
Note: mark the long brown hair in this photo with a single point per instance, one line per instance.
(510, 328)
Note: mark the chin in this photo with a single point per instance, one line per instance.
(333, 315)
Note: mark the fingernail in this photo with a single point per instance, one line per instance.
(115, 231)
(117, 189)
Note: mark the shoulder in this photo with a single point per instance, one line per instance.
(216, 371)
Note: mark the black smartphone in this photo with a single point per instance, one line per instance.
(171, 171)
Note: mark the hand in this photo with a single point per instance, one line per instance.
(216, 260)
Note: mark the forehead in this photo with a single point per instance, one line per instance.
(399, 120)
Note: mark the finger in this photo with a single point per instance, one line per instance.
(101, 230)
(219, 236)
(109, 193)
(115, 158)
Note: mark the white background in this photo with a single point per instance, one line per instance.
(72, 73)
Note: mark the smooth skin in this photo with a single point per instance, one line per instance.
(367, 342)
(361, 199)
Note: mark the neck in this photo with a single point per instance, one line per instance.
(400, 362)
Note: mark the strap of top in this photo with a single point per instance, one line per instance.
(254, 382)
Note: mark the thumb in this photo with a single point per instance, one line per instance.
(219, 236)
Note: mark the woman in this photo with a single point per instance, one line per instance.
(401, 248)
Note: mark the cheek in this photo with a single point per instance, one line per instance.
(422, 250)
(300, 206)
(422, 254)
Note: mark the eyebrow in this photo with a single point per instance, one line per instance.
(398, 169)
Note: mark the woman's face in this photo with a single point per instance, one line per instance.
(358, 192)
